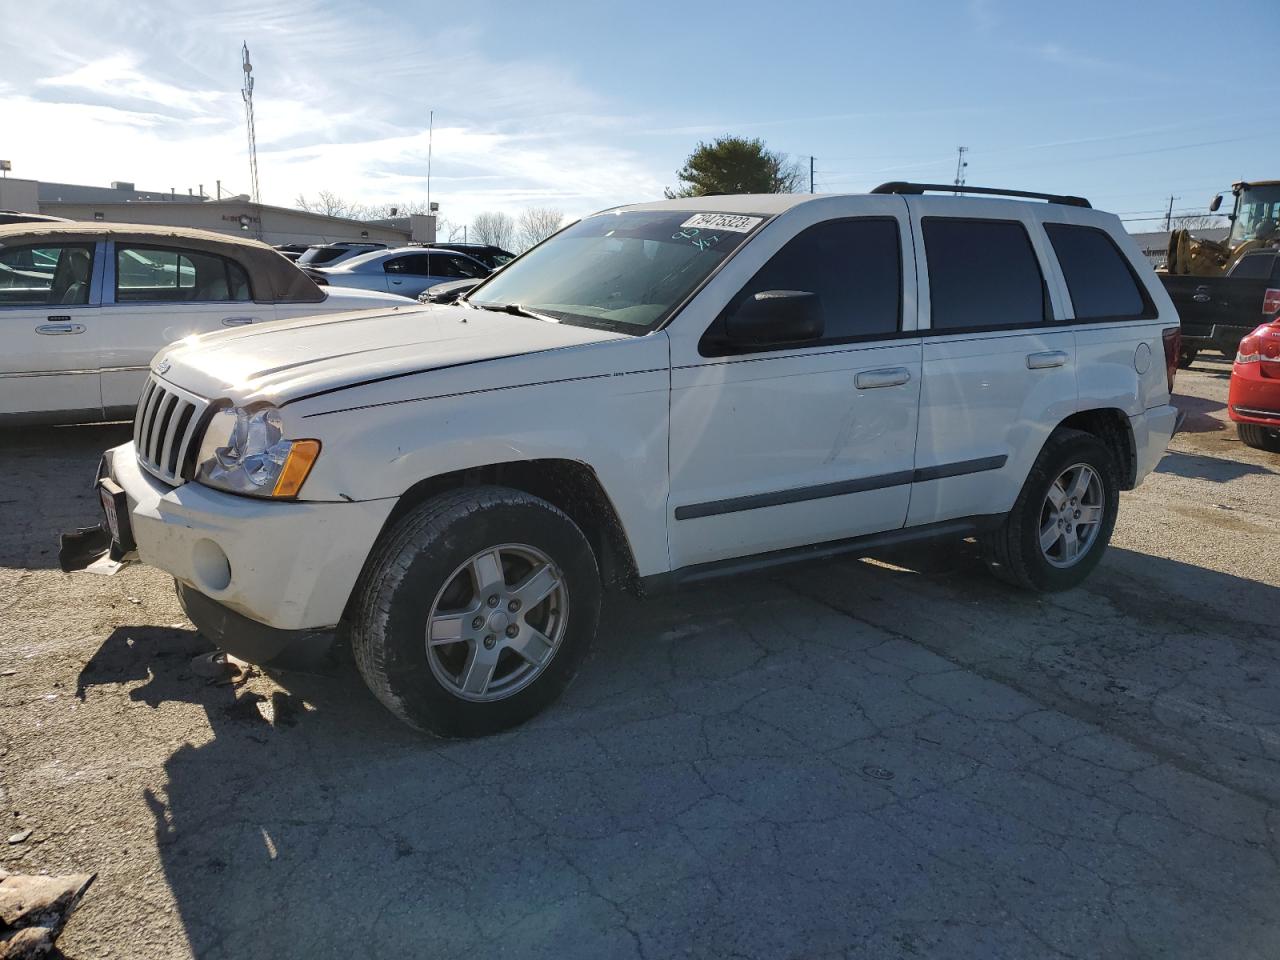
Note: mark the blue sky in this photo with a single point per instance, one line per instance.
(583, 105)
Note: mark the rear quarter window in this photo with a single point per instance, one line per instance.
(1099, 278)
(983, 274)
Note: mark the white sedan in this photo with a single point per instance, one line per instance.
(85, 306)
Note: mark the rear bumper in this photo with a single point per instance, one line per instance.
(1252, 397)
(1152, 431)
(284, 565)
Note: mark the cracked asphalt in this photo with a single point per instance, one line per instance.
(895, 757)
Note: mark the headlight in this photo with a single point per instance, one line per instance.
(244, 451)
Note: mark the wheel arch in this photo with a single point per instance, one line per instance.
(569, 485)
(1111, 426)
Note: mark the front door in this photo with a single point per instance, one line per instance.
(777, 447)
(156, 295)
(49, 332)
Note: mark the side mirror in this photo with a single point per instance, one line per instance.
(1215, 203)
(775, 317)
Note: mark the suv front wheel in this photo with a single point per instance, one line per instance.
(1061, 523)
(476, 611)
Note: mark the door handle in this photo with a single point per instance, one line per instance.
(59, 329)
(238, 321)
(397, 282)
(889, 377)
(1201, 298)
(1047, 359)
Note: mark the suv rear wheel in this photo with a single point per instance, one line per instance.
(1061, 523)
(1259, 437)
(476, 611)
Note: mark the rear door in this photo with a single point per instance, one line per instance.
(50, 330)
(410, 274)
(998, 375)
(156, 294)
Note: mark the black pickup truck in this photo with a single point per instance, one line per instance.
(1216, 312)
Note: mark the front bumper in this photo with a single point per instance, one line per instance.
(286, 565)
(1152, 431)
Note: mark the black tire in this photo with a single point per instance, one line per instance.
(1259, 437)
(1187, 356)
(409, 569)
(1012, 551)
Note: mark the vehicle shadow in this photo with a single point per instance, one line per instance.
(57, 465)
(727, 756)
(1199, 466)
(1199, 414)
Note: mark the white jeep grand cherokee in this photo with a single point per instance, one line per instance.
(657, 394)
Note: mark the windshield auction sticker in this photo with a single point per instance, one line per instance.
(733, 222)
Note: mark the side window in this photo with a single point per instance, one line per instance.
(415, 264)
(855, 268)
(165, 275)
(982, 273)
(1256, 266)
(46, 275)
(462, 267)
(1099, 279)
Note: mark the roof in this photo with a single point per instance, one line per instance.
(49, 192)
(762, 203)
(271, 276)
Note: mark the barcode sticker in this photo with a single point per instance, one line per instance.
(733, 222)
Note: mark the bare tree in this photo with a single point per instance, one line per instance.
(494, 228)
(538, 223)
(330, 204)
(1197, 221)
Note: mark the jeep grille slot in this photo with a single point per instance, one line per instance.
(165, 428)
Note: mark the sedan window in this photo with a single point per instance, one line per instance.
(158, 274)
(46, 275)
(415, 264)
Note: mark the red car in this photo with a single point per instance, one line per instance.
(1253, 401)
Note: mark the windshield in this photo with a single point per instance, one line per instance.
(624, 271)
(1257, 215)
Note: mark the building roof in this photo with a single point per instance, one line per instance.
(271, 276)
(124, 193)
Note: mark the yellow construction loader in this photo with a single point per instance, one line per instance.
(1255, 224)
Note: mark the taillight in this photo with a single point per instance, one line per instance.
(1172, 348)
(1271, 301)
(1247, 352)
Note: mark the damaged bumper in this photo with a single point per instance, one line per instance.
(283, 565)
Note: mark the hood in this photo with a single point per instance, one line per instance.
(291, 359)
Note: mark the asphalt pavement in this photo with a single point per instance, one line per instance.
(891, 757)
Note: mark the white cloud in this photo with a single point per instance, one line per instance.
(342, 100)
(118, 76)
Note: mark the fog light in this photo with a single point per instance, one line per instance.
(211, 566)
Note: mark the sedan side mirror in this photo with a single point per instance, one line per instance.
(773, 317)
(1215, 203)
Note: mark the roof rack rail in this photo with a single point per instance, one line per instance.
(901, 186)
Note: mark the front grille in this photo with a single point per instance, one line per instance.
(166, 428)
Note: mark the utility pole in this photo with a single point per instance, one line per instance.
(1168, 217)
(961, 165)
(811, 174)
(246, 92)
